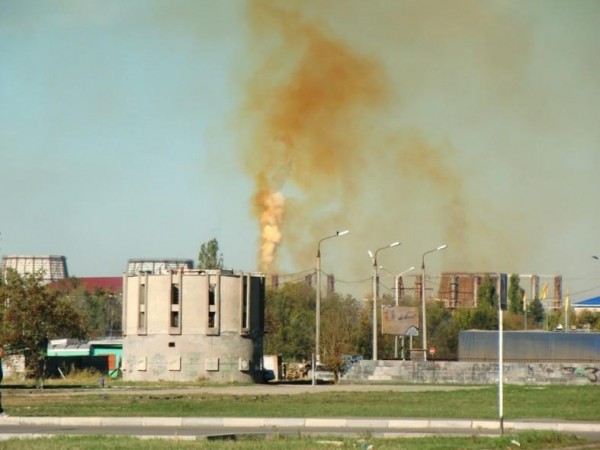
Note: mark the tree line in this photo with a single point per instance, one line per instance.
(32, 313)
(346, 323)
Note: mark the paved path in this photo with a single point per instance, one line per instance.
(204, 427)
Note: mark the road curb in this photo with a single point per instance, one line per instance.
(271, 423)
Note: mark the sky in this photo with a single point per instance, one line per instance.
(142, 129)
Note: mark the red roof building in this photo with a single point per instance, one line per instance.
(110, 284)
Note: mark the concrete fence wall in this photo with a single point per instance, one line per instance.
(13, 365)
(452, 372)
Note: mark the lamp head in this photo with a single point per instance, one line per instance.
(341, 233)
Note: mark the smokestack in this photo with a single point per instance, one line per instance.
(330, 284)
(275, 281)
(535, 287)
(308, 280)
(558, 291)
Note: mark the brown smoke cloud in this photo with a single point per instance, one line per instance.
(322, 145)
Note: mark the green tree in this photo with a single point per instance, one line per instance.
(438, 328)
(209, 257)
(102, 310)
(340, 319)
(364, 331)
(485, 316)
(515, 295)
(536, 312)
(32, 314)
(486, 294)
(461, 320)
(290, 321)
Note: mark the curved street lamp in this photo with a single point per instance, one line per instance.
(397, 302)
(398, 279)
(424, 340)
(318, 306)
(374, 259)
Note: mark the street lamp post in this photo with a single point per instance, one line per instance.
(398, 279)
(397, 303)
(423, 313)
(374, 258)
(318, 305)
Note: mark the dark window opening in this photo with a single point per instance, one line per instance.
(142, 294)
(211, 295)
(245, 303)
(174, 294)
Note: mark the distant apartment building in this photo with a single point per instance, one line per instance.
(187, 325)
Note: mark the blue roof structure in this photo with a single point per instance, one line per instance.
(589, 303)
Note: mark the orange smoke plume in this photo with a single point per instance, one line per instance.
(300, 101)
(271, 205)
(349, 113)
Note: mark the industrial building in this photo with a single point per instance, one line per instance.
(188, 325)
(460, 289)
(52, 267)
(135, 266)
(529, 346)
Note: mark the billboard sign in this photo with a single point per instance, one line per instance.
(398, 320)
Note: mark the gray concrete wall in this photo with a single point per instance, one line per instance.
(188, 358)
(451, 372)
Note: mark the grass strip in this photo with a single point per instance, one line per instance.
(520, 402)
(528, 440)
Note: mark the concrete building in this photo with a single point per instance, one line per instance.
(189, 325)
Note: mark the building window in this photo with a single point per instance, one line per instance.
(213, 309)
(174, 294)
(211, 295)
(245, 305)
(142, 307)
(175, 309)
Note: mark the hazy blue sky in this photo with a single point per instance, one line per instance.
(133, 129)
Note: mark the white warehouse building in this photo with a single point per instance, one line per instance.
(189, 325)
